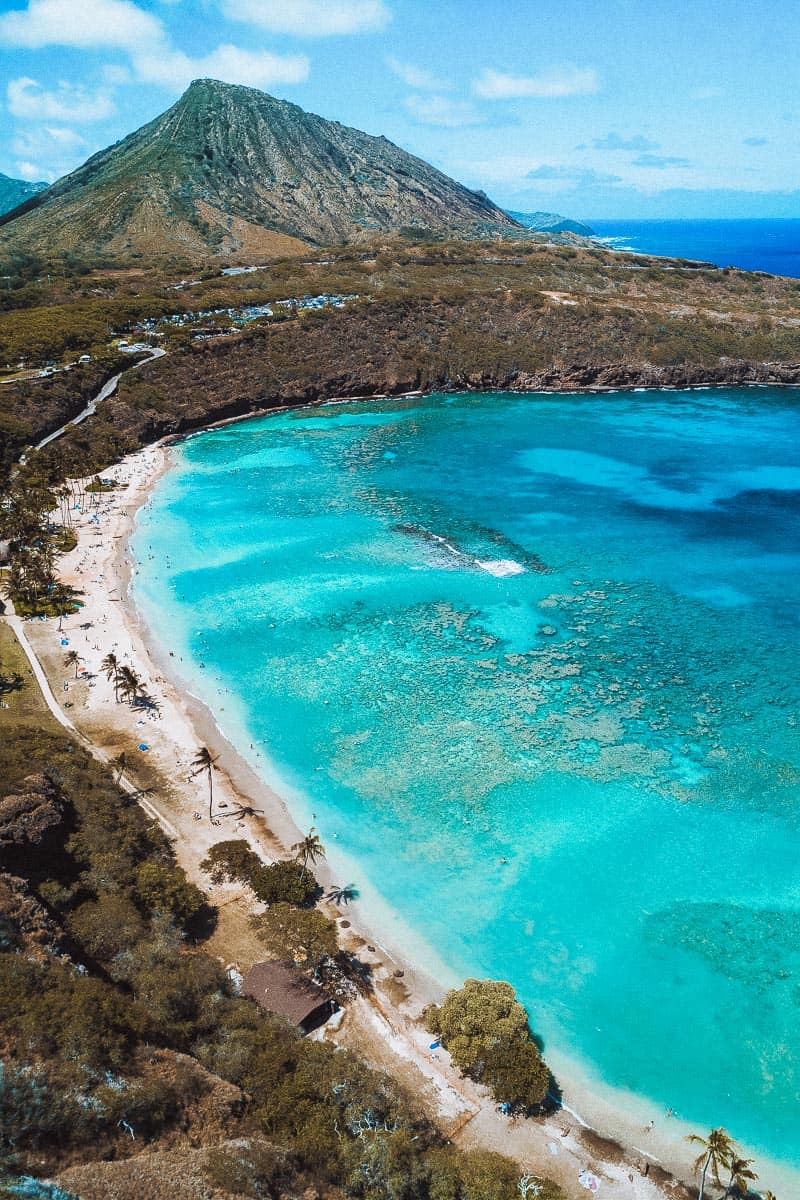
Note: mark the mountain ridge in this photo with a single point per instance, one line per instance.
(14, 192)
(229, 169)
(548, 222)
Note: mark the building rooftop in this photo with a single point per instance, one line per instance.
(282, 989)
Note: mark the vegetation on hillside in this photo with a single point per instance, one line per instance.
(117, 1026)
(514, 314)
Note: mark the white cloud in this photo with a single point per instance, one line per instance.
(29, 100)
(441, 111)
(33, 173)
(254, 68)
(553, 84)
(64, 137)
(84, 23)
(122, 25)
(500, 169)
(310, 18)
(416, 77)
(116, 73)
(61, 148)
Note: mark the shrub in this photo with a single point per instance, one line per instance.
(235, 862)
(107, 926)
(254, 1169)
(285, 881)
(162, 888)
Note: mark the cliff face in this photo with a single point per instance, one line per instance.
(230, 168)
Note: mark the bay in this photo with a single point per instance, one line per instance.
(531, 662)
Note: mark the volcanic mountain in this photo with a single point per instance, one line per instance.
(230, 169)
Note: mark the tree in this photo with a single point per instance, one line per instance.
(110, 667)
(130, 685)
(309, 849)
(485, 1030)
(741, 1176)
(305, 936)
(71, 659)
(204, 760)
(717, 1151)
(235, 862)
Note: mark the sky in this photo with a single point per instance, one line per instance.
(591, 108)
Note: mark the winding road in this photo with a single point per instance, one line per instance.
(106, 390)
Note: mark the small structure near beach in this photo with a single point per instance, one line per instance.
(282, 989)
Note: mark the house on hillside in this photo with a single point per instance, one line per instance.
(283, 990)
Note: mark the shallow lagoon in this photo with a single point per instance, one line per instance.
(532, 662)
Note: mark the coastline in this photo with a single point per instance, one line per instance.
(385, 1030)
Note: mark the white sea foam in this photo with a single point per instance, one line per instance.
(501, 567)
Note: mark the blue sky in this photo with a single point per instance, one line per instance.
(592, 108)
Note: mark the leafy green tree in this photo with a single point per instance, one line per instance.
(481, 1175)
(106, 927)
(163, 889)
(287, 882)
(517, 1074)
(302, 935)
(485, 1030)
(232, 861)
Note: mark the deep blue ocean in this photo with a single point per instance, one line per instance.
(531, 662)
(753, 245)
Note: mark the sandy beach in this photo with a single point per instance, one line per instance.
(630, 1160)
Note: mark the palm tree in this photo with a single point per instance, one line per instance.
(342, 895)
(204, 761)
(130, 685)
(717, 1152)
(71, 659)
(110, 667)
(309, 850)
(741, 1176)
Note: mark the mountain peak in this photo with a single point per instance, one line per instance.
(230, 169)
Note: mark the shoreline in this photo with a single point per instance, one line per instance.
(398, 1043)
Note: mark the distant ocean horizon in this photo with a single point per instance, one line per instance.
(758, 244)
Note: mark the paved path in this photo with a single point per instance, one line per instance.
(106, 390)
(17, 626)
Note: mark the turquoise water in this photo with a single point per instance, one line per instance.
(532, 661)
